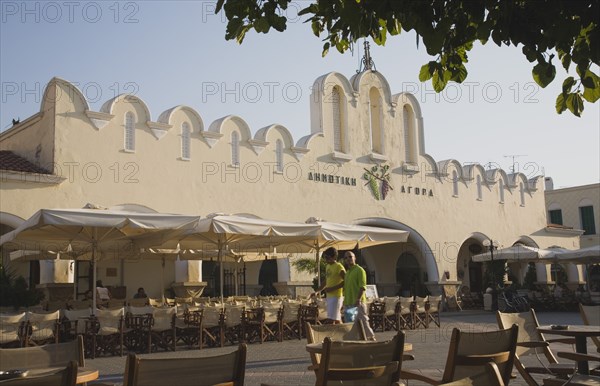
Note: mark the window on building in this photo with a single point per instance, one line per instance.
(479, 189)
(235, 148)
(338, 120)
(555, 216)
(185, 140)
(455, 183)
(129, 132)
(376, 120)
(522, 193)
(501, 190)
(279, 155)
(409, 135)
(586, 213)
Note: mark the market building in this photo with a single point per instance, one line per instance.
(364, 161)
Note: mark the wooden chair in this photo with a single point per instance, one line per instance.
(211, 327)
(530, 341)
(189, 327)
(50, 355)
(73, 323)
(227, 369)
(12, 330)
(289, 325)
(163, 334)
(377, 315)
(390, 316)
(468, 354)
(419, 312)
(263, 324)
(232, 328)
(433, 306)
(64, 377)
(404, 313)
(591, 317)
(364, 363)
(104, 332)
(335, 332)
(137, 328)
(42, 328)
(490, 377)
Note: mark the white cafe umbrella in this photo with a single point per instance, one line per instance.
(98, 231)
(349, 236)
(517, 252)
(222, 232)
(587, 255)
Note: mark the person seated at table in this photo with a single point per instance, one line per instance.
(141, 294)
(102, 293)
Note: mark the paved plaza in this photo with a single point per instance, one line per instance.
(286, 363)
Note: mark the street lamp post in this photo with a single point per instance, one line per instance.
(492, 246)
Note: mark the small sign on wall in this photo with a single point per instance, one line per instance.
(111, 272)
(371, 292)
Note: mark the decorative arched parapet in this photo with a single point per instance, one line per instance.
(514, 179)
(468, 172)
(526, 240)
(494, 175)
(60, 90)
(416, 126)
(325, 83)
(534, 182)
(158, 129)
(302, 146)
(448, 164)
(218, 129)
(360, 81)
(430, 167)
(260, 140)
(167, 117)
(414, 237)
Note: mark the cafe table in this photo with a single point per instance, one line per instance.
(317, 348)
(580, 333)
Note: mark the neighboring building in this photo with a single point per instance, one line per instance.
(577, 207)
(364, 162)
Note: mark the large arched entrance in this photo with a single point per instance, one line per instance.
(470, 273)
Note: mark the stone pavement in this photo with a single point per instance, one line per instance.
(286, 363)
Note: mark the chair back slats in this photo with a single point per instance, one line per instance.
(227, 368)
(50, 355)
(469, 351)
(528, 332)
(366, 363)
(63, 377)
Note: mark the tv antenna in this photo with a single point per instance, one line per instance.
(513, 157)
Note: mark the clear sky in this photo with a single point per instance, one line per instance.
(172, 53)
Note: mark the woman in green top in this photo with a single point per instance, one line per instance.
(334, 283)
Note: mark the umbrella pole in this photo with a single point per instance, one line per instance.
(162, 280)
(318, 259)
(221, 270)
(94, 280)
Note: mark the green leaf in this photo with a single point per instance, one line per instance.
(575, 104)
(460, 74)
(568, 84)
(591, 94)
(529, 53)
(427, 71)
(325, 49)
(566, 61)
(544, 73)
(262, 25)
(561, 104)
(439, 83)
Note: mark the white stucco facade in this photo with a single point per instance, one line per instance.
(177, 163)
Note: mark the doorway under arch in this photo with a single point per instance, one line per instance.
(267, 276)
(409, 276)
